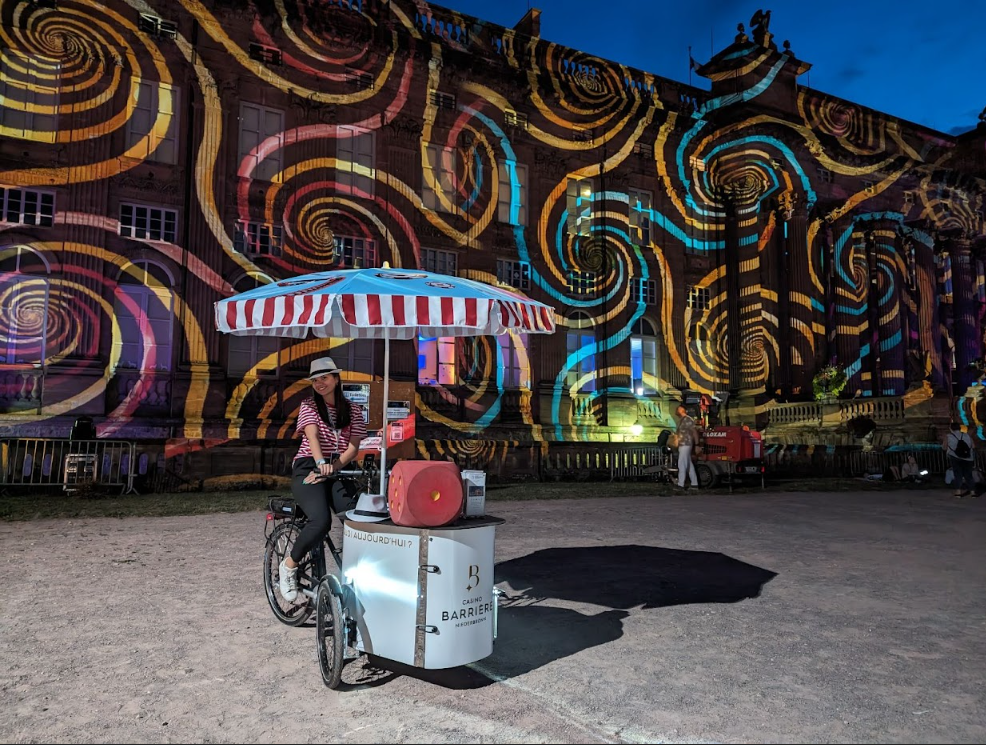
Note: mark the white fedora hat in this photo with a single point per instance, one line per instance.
(322, 366)
(371, 508)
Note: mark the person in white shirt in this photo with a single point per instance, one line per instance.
(961, 451)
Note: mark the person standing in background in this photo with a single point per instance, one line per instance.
(687, 434)
(961, 451)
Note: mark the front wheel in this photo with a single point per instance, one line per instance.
(330, 632)
(278, 546)
(706, 476)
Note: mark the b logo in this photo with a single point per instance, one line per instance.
(473, 575)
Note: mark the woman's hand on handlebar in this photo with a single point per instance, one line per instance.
(326, 469)
(314, 477)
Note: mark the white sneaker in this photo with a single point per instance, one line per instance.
(288, 579)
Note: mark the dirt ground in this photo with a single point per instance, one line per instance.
(711, 618)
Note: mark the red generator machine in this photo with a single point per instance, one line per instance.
(728, 453)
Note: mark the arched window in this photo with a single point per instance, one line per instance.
(581, 348)
(143, 306)
(244, 353)
(23, 306)
(643, 357)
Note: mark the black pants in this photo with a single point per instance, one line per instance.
(962, 473)
(314, 500)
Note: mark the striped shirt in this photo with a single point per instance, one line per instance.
(331, 439)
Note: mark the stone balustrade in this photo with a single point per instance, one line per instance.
(806, 413)
(879, 409)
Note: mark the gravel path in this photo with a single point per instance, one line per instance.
(713, 618)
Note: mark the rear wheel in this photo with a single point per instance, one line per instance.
(278, 546)
(331, 632)
(707, 478)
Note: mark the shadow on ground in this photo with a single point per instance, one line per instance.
(618, 578)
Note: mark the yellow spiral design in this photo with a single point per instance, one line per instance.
(63, 71)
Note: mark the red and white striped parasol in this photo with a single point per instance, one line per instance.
(384, 304)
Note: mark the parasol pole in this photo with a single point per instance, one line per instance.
(386, 398)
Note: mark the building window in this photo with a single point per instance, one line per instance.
(436, 360)
(646, 291)
(441, 100)
(153, 102)
(359, 80)
(512, 199)
(29, 92)
(578, 201)
(582, 284)
(27, 207)
(643, 357)
(355, 166)
(355, 253)
(825, 175)
(142, 306)
(909, 198)
(640, 212)
(148, 223)
(699, 298)
(267, 55)
(943, 262)
(155, 26)
(357, 356)
(514, 119)
(257, 238)
(643, 149)
(514, 361)
(517, 274)
(23, 306)
(438, 174)
(580, 344)
(581, 135)
(257, 125)
(438, 261)
(252, 354)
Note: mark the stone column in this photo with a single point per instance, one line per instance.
(928, 303)
(800, 296)
(848, 304)
(965, 326)
(890, 314)
(731, 255)
(775, 301)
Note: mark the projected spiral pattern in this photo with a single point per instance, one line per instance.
(759, 247)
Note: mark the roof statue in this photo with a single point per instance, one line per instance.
(759, 25)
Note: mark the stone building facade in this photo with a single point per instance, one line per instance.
(156, 157)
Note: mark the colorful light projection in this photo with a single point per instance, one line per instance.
(176, 151)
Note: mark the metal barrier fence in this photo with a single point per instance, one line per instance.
(69, 464)
(851, 463)
(629, 463)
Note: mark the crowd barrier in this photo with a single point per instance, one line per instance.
(69, 464)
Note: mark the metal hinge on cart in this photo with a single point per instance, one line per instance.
(497, 592)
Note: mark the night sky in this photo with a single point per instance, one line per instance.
(922, 62)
